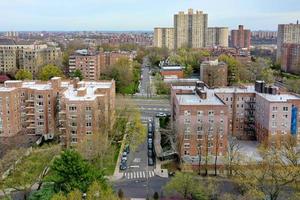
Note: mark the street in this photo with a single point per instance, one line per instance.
(139, 179)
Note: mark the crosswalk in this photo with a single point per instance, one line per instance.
(155, 109)
(139, 175)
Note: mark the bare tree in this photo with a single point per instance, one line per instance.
(232, 155)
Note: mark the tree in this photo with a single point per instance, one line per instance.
(232, 157)
(186, 185)
(23, 74)
(233, 68)
(45, 193)
(98, 191)
(268, 177)
(59, 196)
(70, 171)
(126, 73)
(75, 195)
(77, 73)
(49, 71)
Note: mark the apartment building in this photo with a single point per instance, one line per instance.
(241, 38)
(200, 121)
(110, 58)
(217, 36)
(164, 38)
(30, 57)
(257, 112)
(214, 73)
(290, 58)
(88, 62)
(289, 34)
(190, 29)
(74, 109)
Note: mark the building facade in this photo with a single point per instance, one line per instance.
(241, 38)
(110, 58)
(287, 33)
(48, 108)
(190, 29)
(87, 62)
(164, 38)
(214, 73)
(290, 58)
(217, 36)
(247, 112)
(29, 57)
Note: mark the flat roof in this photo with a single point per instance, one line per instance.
(171, 68)
(194, 99)
(279, 97)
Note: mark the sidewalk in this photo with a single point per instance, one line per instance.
(117, 174)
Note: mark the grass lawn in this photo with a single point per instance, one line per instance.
(28, 170)
(107, 162)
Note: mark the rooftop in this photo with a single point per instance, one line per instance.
(279, 97)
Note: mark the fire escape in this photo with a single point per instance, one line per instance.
(249, 127)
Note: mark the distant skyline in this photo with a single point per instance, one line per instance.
(132, 15)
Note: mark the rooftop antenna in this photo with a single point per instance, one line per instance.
(297, 21)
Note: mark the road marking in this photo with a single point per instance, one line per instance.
(134, 166)
(139, 175)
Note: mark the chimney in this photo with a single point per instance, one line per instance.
(75, 82)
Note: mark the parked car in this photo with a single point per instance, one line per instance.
(150, 140)
(161, 114)
(124, 156)
(171, 173)
(150, 127)
(150, 146)
(150, 135)
(150, 161)
(150, 153)
(123, 166)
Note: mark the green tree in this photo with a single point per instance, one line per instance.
(126, 73)
(23, 74)
(233, 68)
(45, 193)
(59, 196)
(75, 195)
(187, 186)
(77, 74)
(155, 196)
(49, 71)
(98, 191)
(70, 171)
(267, 75)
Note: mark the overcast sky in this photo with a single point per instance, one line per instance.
(118, 15)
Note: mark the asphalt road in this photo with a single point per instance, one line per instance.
(141, 188)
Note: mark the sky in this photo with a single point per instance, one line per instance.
(138, 15)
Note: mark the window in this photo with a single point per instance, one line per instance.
(273, 116)
(186, 145)
(187, 121)
(40, 123)
(285, 109)
(89, 132)
(187, 113)
(187, 136)
(74, 140)
(89, 124)
(72, 108)
(88, 108)
(274, 124)
(211, 113)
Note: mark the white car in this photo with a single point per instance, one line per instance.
(161, 114)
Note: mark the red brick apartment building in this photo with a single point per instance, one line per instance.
(241, 38)
(72, 108)
(202, 116)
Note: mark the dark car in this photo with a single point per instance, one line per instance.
(150, 153)
(150, 135)
(123, 166)
(150, 161)
(150, 128)
(150, 146)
